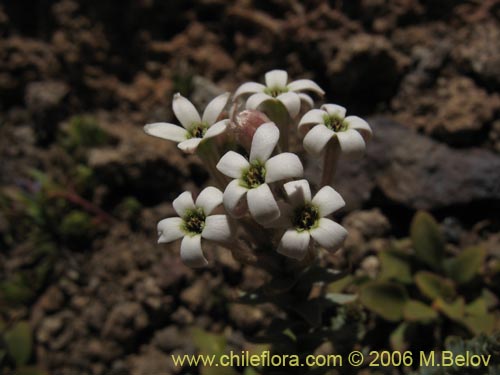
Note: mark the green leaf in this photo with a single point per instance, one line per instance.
(454, 310)
(19, 342)
(339, 285)
(397, 338)
(466, 265)
(30, 370)
(341, 298)
(17, 290)
(434, 286)
(384, 298)
(208, 343)
(395, 265)
(416, 311)
(477, 318)
(427, 240)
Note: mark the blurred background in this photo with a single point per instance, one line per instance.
(84, 289)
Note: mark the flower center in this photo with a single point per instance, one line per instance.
(335, 123)
(305, 217)
(194, 221)
(275, 91)
(198, 130)
(254, 176)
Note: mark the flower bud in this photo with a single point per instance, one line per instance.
(247, 122)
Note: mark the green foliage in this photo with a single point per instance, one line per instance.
(434, 286)
(18, 341)
(385, 298)
(84, 132)
(76, 226)
(466, 265)
(416, 311)
(427, 240)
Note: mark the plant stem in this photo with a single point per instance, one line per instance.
(331, 158)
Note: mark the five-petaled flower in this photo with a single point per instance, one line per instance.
(194, 128)
(195, 223)
(276, 88)
(252, 176)
(329, 123)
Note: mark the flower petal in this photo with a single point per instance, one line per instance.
(191, 253)
(307, 99)
(215, 108)
(185, 111)
(305, 84)
(255, 100)
(216, 129)
(351, 143)
(166, 131)
(189, 146)
(183, 202)
(313, 117)
(334, 110)
(298, 192)
(208, 199)
(329, 234)
(170, 229)
(232, 164)
(262, 205)
(291, 101)
(232, 197)
(294, 244)
(249, 88)
(283, 166)
(316, 139)
(264, 141)
(360, 125)
(217, 228)
(328, 201)
(276, 78)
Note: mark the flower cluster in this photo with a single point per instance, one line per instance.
(262, 198)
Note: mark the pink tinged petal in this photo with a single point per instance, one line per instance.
(216, 129)
(294, 244)
(264, 141)
(189, 146)
(334, 110)
(232, 198)
(170, 229)
(283, 166)
(291, 101)
(262, 205)
(215, 108)
(191, 253)
(305, 84)
(313, 117)
(185, 111)
(254, 101)
(306, 99)
(232, 164)
(217, 228)
(328, 201)
(183, 203)
(351, 143)
(208, 199)
(166, 131)
(298, 192)
(360, 125)
(329, 234)
(316, 139)
(276, 78)
(249, 88)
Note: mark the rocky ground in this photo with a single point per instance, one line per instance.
(425, 73)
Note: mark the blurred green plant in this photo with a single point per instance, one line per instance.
(83, 132)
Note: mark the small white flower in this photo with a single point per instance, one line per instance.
(194, 128)
(276, 88)
(195, 223)
(329, 122)
(251, 177)
(305, 218)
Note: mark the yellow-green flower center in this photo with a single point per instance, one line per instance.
(335, 123)
(198, 130)
(305, 217)
(194, 221)
(254, 175)
(275, 91)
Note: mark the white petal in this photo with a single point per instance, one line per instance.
(305, 84)
(313, 117)
(215, 108)
(307, 99)
(316, 139)
(328, 201)
(291, 101)
(329, 234)
(191, 253)
(232, 164)
(262, 205)
(232, 197)
(276, 78)
(209, 198)
(170, 229)
(255, 100)
(189, 146)
(249, 88)
(264, 141)
(166, 131)
(294, 244)
(216, 129)
(283, 166)
(185, 111)
(351, 143)
(217, 228)
(334, 110)
(360, 125)
(183, 202)
(298, 192)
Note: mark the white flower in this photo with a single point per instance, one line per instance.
(195, 223)
(251, 177)
(194, 128)
(305, 218)
(329, 122)
(276, 88)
